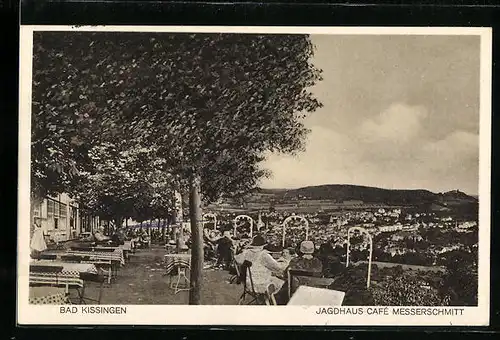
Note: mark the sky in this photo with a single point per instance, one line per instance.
(400, 112)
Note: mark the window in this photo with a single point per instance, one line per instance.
(83, 226)
(56, 209)
(73, 217)
(63, 213)
(63, 210)
(37, 210)
(50, 208)
(58, 212)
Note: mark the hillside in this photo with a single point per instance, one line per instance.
(341, 193)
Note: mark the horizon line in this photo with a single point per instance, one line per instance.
(366, 186)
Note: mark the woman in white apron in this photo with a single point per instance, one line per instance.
(37, 241)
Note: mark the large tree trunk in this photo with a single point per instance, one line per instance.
(149, 232)
(158, 228)
(118, 222)
(195, 214)
(179, 219)
(164, 230)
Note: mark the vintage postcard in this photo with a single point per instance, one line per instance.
(254, 175)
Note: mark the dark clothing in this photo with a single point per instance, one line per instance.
(312, 265)
(331, 262)
(326, 250)
(224, 245)
(118, 239)
(331, 266)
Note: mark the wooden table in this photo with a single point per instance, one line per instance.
(110, 262)
(115, 255)
(73, 268)
(319, 282)
(48, 296)
(312, 296)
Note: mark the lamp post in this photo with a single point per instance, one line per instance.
(370, 242)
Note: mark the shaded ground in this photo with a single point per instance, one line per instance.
(142, 281)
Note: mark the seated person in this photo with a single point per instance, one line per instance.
(331, 262)
(209, 236)
(86, 237)
(208, 245)
(306, 261)
(275, 250)
(264, 269)
(100, 237)
(118, 238)
(189, 241)
(287, 255)
(144, 238)
(224, 250)
(325, 250)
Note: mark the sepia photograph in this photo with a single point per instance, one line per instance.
(345, 172)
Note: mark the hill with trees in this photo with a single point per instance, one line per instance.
(341, 192)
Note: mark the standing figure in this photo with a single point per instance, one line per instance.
(37, 241)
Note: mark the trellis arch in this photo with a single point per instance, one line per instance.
(370, 242)
(213, 216)
(291, 218)
(246, 217)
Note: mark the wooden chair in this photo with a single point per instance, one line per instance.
(104, 249)
(106, 266)
(270, 295)
(82, 248)
(50, 276)
(237, 275)
(47, 256)
(45, 269)
(87, 278)
(103, 242)
(248, 286)
(53, 299)
(182, 283)
(71, 258)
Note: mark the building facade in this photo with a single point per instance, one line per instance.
(61, 219)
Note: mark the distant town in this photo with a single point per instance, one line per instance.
(421, 233)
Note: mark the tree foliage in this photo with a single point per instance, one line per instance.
(125, 183)
(460, 284)
(406, 290)
(213, 103)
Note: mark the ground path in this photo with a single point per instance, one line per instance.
(142, 281)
